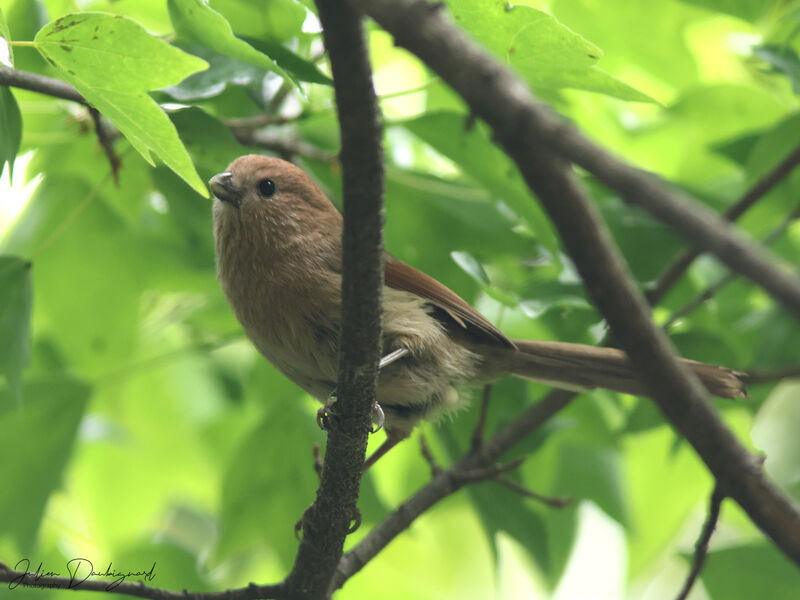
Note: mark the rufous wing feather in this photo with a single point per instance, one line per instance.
(400, 276)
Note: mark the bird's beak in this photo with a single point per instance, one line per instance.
(222, 187)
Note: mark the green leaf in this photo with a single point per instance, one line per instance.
(196, 22)
(784, 59)
(302, 69)
(470, 147)
(750, 571)
(471, 266)
(85, 46)
(16, 301)
(10, 129)
(39, 436)
(545, 52)
(276, 20)
(749, 10)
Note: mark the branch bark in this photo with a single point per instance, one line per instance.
(530, 133)
(327, 521)
(41, 84)
(497, 96)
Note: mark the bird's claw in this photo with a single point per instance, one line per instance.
(324, 413)
(378, 418)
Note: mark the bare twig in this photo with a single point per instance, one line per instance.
(41, 84)
(714, 289)
(523, 491)
(25, 579)
(106, 140)
(701, 547)
(534, 137)
(328, 520)
(480, 426)
(285, 148)
(678, 267)
(428, 456)
(757, 376)
(448, 482)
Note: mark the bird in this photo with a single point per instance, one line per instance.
(278, 249)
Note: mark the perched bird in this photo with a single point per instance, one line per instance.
(279, 261)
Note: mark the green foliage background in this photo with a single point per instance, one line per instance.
(137, 425)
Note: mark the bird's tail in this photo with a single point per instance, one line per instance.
(579, 367)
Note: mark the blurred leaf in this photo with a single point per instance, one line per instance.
(302, 69)
(471, 266)
(545, 52)
(25, 18)
(468, 145)
(261, 469)
(10, 130)
(747, 572)
(277, 20)
(222, 71)
(39, 435)
(210, 144)
(80, 46)
(783, 59)
(196, 22)
(749, 10)
(16, 300)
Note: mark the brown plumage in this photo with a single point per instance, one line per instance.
(278, 247)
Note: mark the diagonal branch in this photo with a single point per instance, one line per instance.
(530, 133)
(678, 267)
(326, 523)
(41, 84)
(497, 96)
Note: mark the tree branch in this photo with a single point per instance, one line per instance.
(39, 83)
(530, 133)
(448, 482)
(499, 97)
(326, 523)
(16, 578)
(701, 547)
(680, 265)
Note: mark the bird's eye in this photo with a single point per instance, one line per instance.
(266, 187)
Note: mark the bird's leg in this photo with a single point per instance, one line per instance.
(393, 437)
(377, 411)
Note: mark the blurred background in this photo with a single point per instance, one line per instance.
(148, 430)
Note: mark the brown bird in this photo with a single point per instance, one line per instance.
(279, 260)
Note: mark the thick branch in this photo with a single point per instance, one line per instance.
(327, 522)
(497, 96)
(530, 133)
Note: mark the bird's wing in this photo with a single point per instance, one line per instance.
(401, 276)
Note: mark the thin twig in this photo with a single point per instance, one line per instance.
(285, 148)
(21, 578)
(714, 289)
(428, 456)
(757, 376)
(106, 139)
(489, 471)
(41, 84)
(678, 267)
(701, 547)
(555, 502)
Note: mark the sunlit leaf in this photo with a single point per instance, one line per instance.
(82, 45)
(198, 23)
(548, 54)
